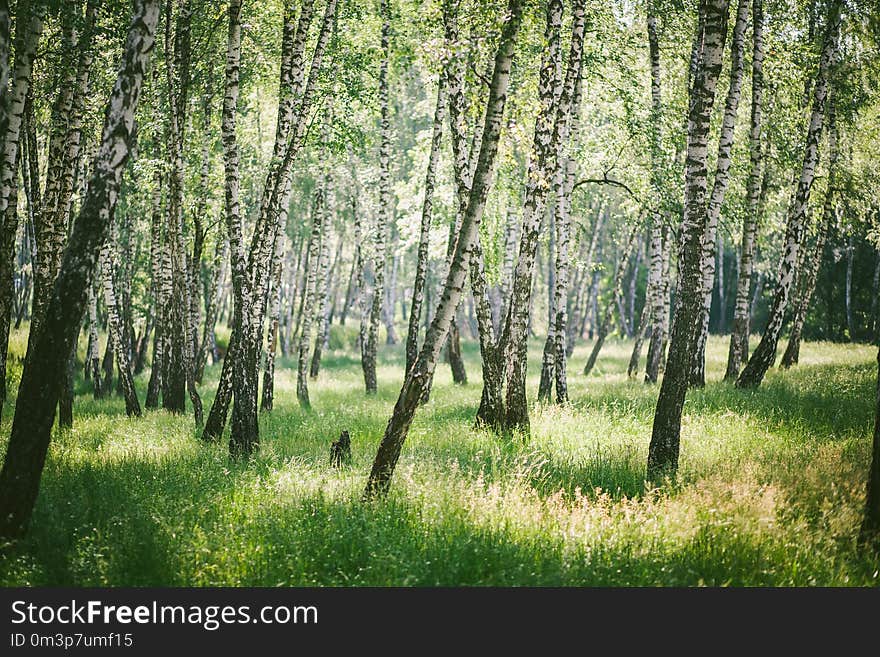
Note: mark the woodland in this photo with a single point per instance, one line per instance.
(439, 292)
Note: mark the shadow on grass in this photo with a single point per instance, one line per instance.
(132, 524)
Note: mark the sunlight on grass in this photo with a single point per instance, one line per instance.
(770, 491)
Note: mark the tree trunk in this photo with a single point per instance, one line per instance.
(208, 343)
(657, 293)
(564, 182)
(417, 379)
(245, 430)
(322, 295)
(39, 389)
(114, 328)
(765, 353)
(158, 291)
(418, 291)
(267, 400)
(582, 304)
(390, 302)
(382, 217)
(810, 271)
(664, 447)
(324, 308)
(315, 261)
(93, 355)
(29, 27)
(719, 188)
(551, 133)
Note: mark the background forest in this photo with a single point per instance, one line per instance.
(441, 292)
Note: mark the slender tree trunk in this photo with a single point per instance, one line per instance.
(267, 400)
(322, 295)
(719, 188)
(765, 353)
(93, 355)
(316, 248)
(564, 182)
(551, 133)
(810, 271)
(382, 218)
(208, 343)
(418, 292)
(418, 377)
(665, 438)
(114, 326)
(29, 27)
(39, 389)
(390, 302)
(657, 295)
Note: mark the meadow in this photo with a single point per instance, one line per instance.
(770, 490)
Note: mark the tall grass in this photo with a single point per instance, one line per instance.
(770, 491)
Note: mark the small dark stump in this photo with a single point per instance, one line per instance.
(340, 451)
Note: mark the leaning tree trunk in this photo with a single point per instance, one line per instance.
(491, 410)
(765, 353)
(39, 389)
(665, 437)
(114, 328)
(253, 270)
(382, 217)
(418, 291)
(418, 377)
(810, 270)
(719, 188)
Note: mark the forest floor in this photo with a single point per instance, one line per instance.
(770, 490)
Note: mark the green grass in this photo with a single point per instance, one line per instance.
(770, 491)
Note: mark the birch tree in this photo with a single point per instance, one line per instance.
(765, 353)
(809, 271)
(29, 27)
(382, 217)
(39, 389)
(739, 334)
(419, 376)
(719, 187)
(663, 451)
